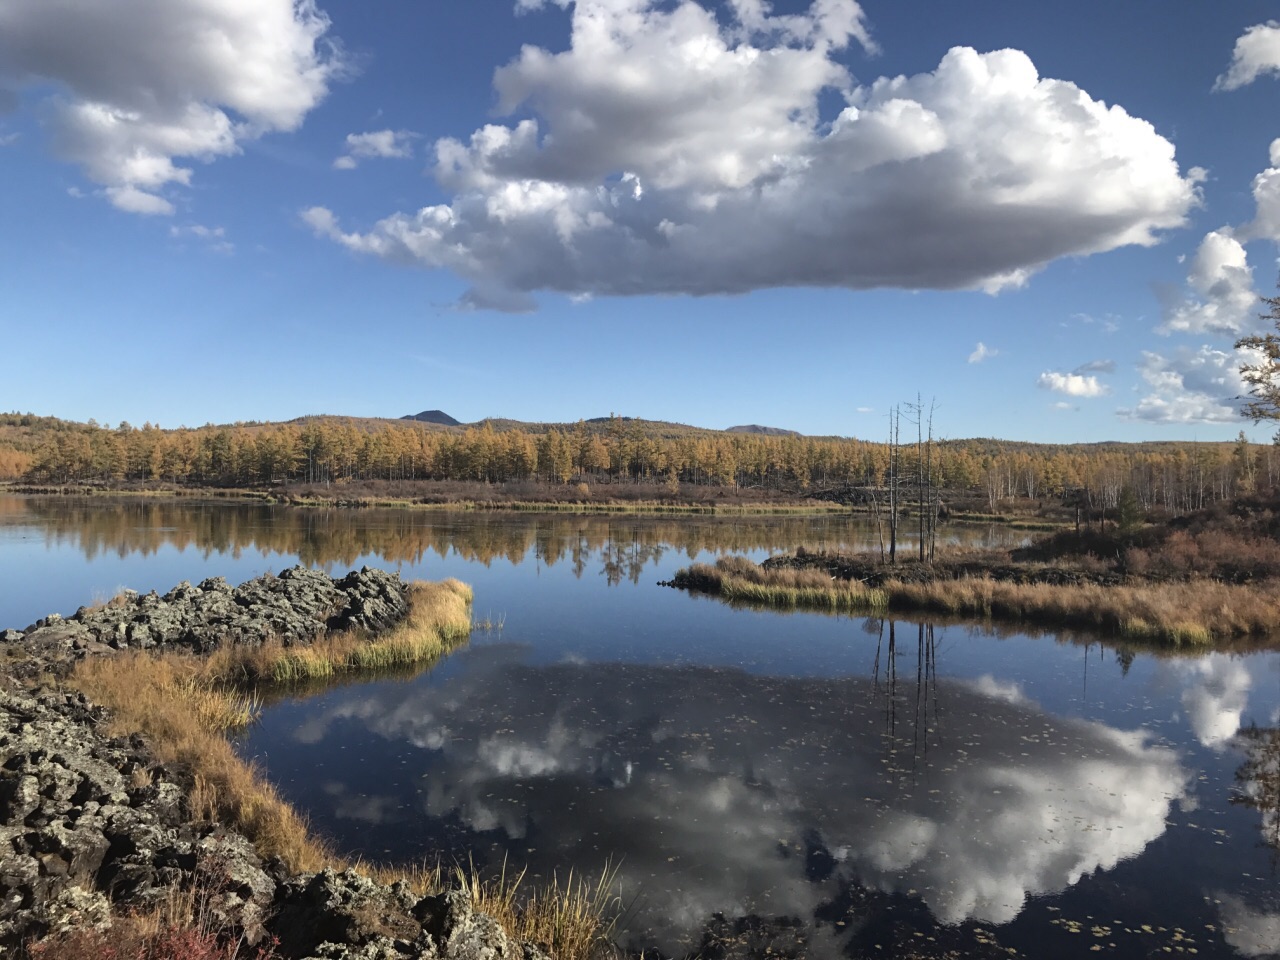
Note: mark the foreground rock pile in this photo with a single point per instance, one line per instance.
(91, 825)
(294, 607)
(86, 820)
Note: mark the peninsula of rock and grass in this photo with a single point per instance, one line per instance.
(1210, 576)
(130, 828)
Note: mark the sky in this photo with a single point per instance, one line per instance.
(1052, 221)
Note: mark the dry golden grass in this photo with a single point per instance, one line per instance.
(185, 705)
(1196, 612)
(568, 920)
(1188, 613)
(739, 580)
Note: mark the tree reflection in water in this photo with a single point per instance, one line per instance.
(1258, 782)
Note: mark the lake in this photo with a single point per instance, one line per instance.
(762, 782)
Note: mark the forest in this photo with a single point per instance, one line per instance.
(1173, 476)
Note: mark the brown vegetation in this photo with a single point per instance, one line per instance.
(1234, 542)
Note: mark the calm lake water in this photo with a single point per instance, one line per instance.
(864, 786)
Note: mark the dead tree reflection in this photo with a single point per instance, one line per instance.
(922, 702)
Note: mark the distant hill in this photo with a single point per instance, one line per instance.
(763, 431)
(434, 416)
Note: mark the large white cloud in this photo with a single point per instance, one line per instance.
(148, 84)
(671, 152)
(1191, 386)
(1257, 51)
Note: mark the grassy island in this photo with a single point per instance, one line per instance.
(1206, 577)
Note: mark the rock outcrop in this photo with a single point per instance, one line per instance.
(294, 607)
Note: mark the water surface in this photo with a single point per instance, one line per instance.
(765, 780)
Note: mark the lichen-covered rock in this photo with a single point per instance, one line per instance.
(78, 832)
(342, 908)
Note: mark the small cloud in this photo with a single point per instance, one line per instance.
(1063, 405)
(385, 144)
(1072, 384)
(215, 237)
(1096, 366)
(866, 410)
(982, 352)
(132, 200)
(1108, 323)
(7, 139)
(1257, 51)
(75, 192)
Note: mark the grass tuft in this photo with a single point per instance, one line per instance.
(573, 919)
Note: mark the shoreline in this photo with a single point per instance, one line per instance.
(782, 505)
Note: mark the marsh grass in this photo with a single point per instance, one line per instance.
(186, 705)
(1194, 613)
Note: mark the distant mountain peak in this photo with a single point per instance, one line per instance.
(433, 416)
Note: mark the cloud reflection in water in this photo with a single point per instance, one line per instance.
(712, 787)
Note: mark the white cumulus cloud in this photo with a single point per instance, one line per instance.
(146, 86)
(671, 151)
(385, 144)
(1191, 386)
(1072, 384)
(1257, 51)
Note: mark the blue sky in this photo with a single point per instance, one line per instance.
(1054, 219)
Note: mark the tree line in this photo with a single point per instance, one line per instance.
(1175, 476)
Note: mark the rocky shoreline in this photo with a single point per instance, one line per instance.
(91, 826)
